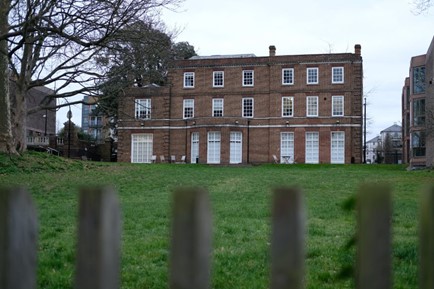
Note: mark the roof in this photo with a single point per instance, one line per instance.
(223, 56)
(375, 139)
(393, 128)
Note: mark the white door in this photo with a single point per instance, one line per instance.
(236, 148)
(194, 147)
(312, 148)
(286, 148)
(337, 147)
(141, 148)
(214, 147)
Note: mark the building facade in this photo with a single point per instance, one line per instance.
(243, 109)
(418, 111)
(92, 122)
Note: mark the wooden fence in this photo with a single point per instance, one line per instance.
(99, 235)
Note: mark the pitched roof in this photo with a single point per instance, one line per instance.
(393, 128)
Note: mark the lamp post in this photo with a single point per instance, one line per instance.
(69, 116)
(364, 132)
(45, 116)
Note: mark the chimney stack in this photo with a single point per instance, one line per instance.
(357, 49)
(272, 50)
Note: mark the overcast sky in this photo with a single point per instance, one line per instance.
(388, 31)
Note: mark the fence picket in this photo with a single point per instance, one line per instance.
(427, 239)
(98, 254)
(287, 240)
(191, 240)
(374, 237)
(18, 239)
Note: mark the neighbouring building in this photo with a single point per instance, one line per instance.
(240, 109)
(373, 149)
(418, 111)
(92, 122)
(391, 144)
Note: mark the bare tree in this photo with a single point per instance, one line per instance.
(56, 43)
(421, 6)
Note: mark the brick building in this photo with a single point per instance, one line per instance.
(242, 109)
(418, 111)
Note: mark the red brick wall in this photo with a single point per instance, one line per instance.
(172, 134)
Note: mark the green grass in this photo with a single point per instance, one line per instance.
(240, 197)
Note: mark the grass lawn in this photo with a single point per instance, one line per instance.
(240, 197)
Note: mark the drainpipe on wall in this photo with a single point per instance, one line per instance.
(248, 141)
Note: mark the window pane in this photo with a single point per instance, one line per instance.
(188, 108)
(287, 106)
(312, 106)
(338, 147)
(312, 148)
(236, 151)
(337, 106)
(419, 112)
(188, 79)
(247, 107)
(419, 79)
(143, 108)
(288, 76)
(286, 147)
(218, 78)
(312, 75)
(217, 107)
(337, 75)
(248, 77)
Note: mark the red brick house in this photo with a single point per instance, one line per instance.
(243, 109)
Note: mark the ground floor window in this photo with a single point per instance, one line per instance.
(214, 139)
(337, 147)
(236, 147)
(194, 147)
(312, 148)
(141, 148)
(286, 147)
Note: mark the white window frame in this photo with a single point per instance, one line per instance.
(188, 103)
(338, 101)
(142, 108)
(291, 100)
(217, 107)
(312, 106)
(214, 78)
(286, 147)
(337, 147)
(248, 78)
(236, 147)
(312, 148)
(244, 107)
(312, 75)
(214, 147)
(288, 79)
(189, 79)
(141, 147)
(194, 147)
(338, 76)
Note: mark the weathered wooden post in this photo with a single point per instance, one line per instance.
(190, 263)
(288, 239)
(374, 210)
(99, 240)
(18, 239)
(426, 232)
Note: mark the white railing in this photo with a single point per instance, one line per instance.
(38, 140)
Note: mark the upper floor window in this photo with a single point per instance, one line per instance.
(287, 106)
(217, 107)
(337, 75)
(419, 79)
(218, 79)
(337, 106)
(188, 79)
(312, 75)
(95, 121)
(288, 76)
(248, 107)
(312, 106)
(143, 108)
(188, 108)
(419, 112)
(418, 143)
(248, 77)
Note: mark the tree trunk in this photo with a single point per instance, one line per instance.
(6, 140)
(18, 119)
